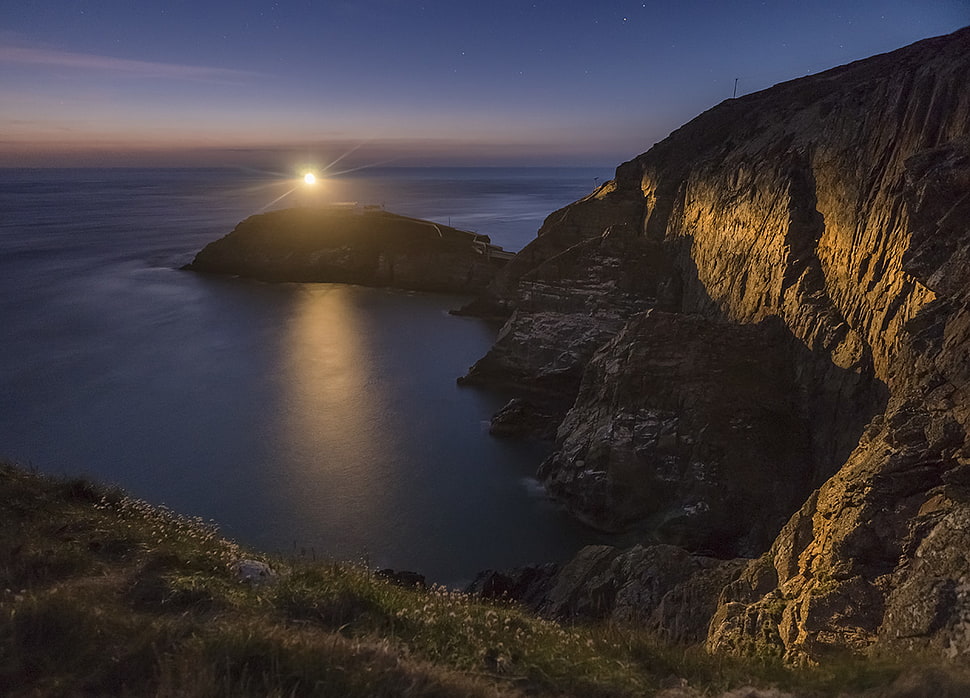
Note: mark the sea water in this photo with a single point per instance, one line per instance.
(317, 418)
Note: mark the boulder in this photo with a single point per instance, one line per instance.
(254, 572)
(403, 578)
(525, 585)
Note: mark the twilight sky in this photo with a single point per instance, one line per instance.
(409, 82)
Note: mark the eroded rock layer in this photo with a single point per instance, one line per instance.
(767, 315)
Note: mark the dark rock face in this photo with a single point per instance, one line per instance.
(526, 585)
(780, 323)
(524, 418)
(661, 587)
(690, 426)
(359, 246)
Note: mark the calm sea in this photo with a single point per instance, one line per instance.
(317, 417)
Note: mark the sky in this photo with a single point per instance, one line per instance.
(406, 82)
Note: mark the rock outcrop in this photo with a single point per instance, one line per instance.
(566, 307)
(689, 427)
(662, 588)
(766, 318)
(522, 418)
(364, 246)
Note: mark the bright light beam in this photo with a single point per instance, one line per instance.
(359, 145)
(285, 194)
(363, 167)
(310, 178)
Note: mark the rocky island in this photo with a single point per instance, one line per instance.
(761, 331)
(358, 245)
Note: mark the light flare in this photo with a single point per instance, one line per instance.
(278, 198)
(309, 177)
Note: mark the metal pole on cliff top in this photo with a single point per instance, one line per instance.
(734, 96)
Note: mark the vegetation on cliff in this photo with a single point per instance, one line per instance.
(101, 594)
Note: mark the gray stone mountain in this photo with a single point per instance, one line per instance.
(761, 331)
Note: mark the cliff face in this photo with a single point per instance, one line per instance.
(689, 428)
(784, 327)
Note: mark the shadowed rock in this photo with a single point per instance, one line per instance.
(523, 418)
(662, 588)
(689, 428)
(354, 245)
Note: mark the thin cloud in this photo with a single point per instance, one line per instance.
(144, 69)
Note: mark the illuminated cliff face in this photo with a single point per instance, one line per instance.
(830, 209)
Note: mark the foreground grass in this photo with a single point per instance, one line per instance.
(101, 594)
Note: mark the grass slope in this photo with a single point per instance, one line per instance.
(101, 594)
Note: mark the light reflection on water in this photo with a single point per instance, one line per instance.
(316, 414)
(334, 430)
(381, 454)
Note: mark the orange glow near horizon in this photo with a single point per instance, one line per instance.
(310, 178)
